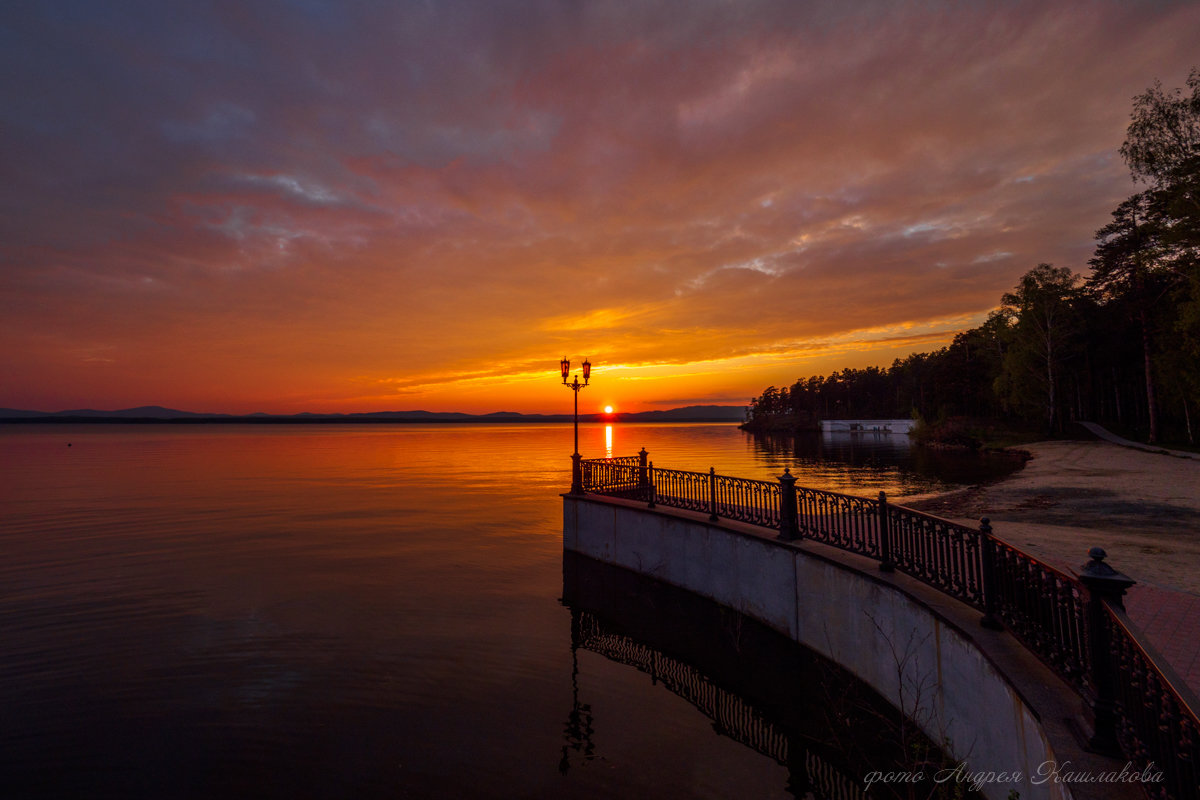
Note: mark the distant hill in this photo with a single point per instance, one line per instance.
(160, 414)
(689, 414)
(141, 412)
(16, 413)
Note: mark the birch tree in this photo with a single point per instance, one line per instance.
(1042, 335)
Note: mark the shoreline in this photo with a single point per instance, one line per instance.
(1143, 508)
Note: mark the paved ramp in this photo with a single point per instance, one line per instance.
(1149, 448)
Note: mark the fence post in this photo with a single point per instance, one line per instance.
(886, 564)
(789, 528)
(712, 493)
(1104, 585)
(577, 474)
(650, 485)
(987, 555)
(642, 468)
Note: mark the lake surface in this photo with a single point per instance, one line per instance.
(344, 611)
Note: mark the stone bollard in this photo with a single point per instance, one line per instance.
(1104, 585)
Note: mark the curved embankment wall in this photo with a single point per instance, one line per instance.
(904, 646)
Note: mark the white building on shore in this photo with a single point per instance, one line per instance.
(904, 426)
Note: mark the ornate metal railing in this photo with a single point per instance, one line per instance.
(841, 520)
(941, 553)
(1078, 630)
(632, 461)
(613, 476)
(739, 499)
(1043, 607)
(679, 489)
(744, 500)
(1152, 712)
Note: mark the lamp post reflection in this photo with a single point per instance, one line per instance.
(577, 733)
(575, 385)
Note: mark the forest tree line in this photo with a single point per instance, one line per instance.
(1119, 345)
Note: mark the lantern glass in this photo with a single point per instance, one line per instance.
(587, 370)
(565, 364)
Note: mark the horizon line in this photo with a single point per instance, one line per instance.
(165, 412)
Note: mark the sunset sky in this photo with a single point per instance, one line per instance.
(364, 206)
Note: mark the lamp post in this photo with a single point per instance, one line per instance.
(575, 386)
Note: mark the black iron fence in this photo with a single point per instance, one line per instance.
(1153, 716)
(1077, 627)
(1043, 607)
(851, 523)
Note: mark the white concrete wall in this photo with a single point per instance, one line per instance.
(867, 425)
(898, 646)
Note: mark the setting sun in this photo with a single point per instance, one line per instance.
(478, 214)
(608, 409)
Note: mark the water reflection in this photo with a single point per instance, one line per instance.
(356, 606)
(578, 730)
(865, 460)
(861, 463)
(757, 687)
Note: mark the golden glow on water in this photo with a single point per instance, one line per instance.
(294, 572)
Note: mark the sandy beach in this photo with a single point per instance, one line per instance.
(1142, 508)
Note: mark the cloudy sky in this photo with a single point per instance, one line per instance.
(358, 206)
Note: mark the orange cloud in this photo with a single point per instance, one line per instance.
(353, 209)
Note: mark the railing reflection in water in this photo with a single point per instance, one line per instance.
(760, 689)
(1154, 716)
(732, 716)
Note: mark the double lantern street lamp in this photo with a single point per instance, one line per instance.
(575, 386)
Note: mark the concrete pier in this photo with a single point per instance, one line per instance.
(991, 703)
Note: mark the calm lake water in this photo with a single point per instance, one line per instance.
(345, 611)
